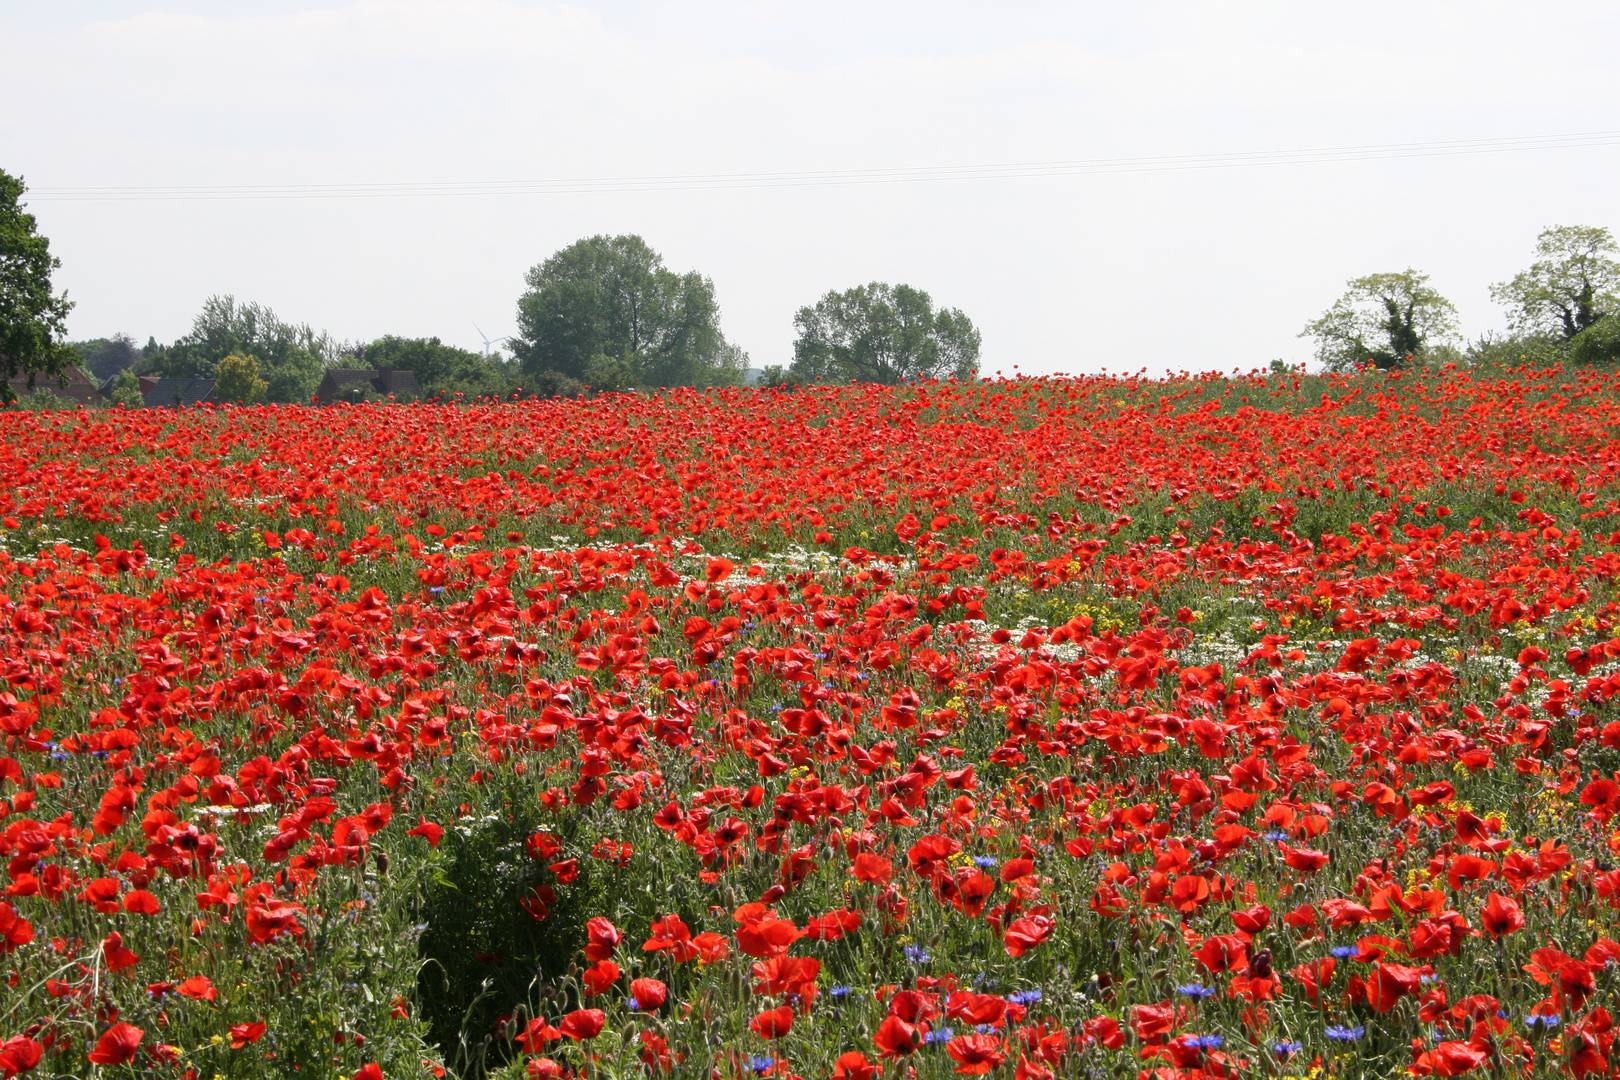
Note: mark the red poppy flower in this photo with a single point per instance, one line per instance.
(1252, 920)
(1026, 933)
(896, 1038)
(19, 1054)
(428, 831)
(1603, 796)
(600, 976)
(141, 902)
(649, 994)
(976, 1054)
(763, 933)
(854, 1065)
(117, 1044)
(1305, 860)
(773, 1023)
(1501, 915)
(583, 1023)
(1390, 983)
(242, 1034)
(604, 938)
(115, 955)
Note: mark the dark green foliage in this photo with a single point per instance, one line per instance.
(883, 334)
(483, 955)
(32, 318)
(442, 371)
(1599, 343)
(608, 306)
(106, 357)
(1516, 349)
(551, 384)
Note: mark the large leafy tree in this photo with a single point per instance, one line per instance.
(33, 319)
(883, 334)
(291, 357)
(1574, 282)
(607, 306)
(1385, 318)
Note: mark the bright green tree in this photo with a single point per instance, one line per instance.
(125, 390)
(883, 334)
(238, 380)
(608, 303)
(1574, 283)
(1388, 319)
(33, 319)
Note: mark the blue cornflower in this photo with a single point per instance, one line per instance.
(635, 1006)
(436, 588)
(1286, 1050)
(1545, 1021)
(759, 1063)
(1275, 834)
(939, 1035)
(1207, 1042)
(984, 862)
(1194, 990)
(1024, 997)
(1342, 951)
(917, 954)
(839, 991)
(1346, 1034)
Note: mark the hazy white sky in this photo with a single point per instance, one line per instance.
(1167, 270)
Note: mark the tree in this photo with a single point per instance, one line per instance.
(33, 320)
(1384, 318)
(883, 334)
(1573, 283)
(238, 380)
(291, 357)
(125, 390)
(106, 357)
(609, 302)
(441, 370)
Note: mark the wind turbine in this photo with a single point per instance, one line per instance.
(487, 341)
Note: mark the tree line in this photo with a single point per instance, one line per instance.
(605, 313)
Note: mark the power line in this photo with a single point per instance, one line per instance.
(834, 177)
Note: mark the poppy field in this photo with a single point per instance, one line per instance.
(1106, 727)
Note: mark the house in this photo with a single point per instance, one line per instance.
(78, 386)
(355, 384)
(162, 393)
